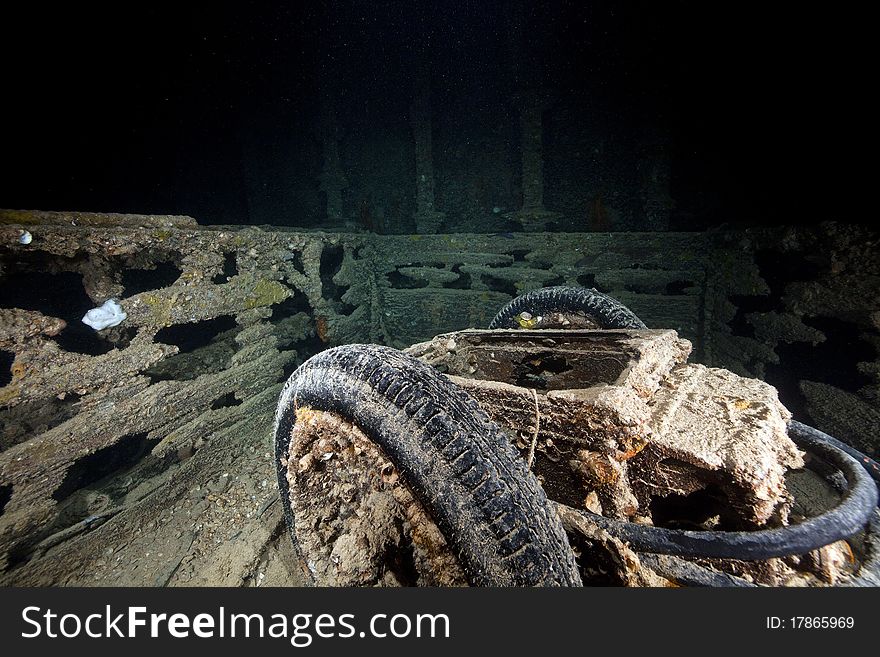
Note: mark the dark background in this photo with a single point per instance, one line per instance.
(212, 110)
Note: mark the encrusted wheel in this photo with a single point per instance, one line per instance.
(579, 306)
(383, 408)
(356, 521)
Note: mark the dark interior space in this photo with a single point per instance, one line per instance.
(779, 269)
(331, 260)
(832, 361)
(295, 303)
(56, 294)
(162, 274)
(230, 268)
(5, 496)
(189, 337)
(6, 359)
(214, 109)
(702, 509)
(36, 418)
(124, 453)
(226, 401)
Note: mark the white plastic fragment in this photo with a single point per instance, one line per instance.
(105, 316)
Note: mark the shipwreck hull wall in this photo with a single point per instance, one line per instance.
(97, 429)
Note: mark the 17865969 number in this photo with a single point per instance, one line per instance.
(811, 623)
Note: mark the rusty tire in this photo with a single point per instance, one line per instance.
(605, 311)
(460, 466)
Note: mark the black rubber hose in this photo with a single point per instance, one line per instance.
(867, 462)
(688, 573)
(849, 517)
(458, 463)
(607, 311)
